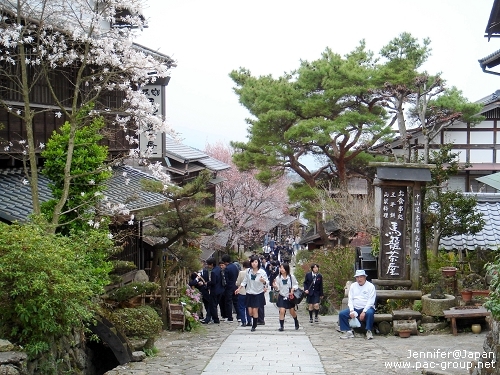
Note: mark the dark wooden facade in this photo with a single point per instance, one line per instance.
(49, 117)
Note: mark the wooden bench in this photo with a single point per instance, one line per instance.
(455, 314)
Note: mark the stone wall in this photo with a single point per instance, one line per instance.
(69, 355)
(488, 365)
(12, 362)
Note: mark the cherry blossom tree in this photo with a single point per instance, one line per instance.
(85, 47)
(243, 204)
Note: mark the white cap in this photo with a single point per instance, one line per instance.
(360, 273)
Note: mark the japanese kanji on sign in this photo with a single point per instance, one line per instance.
(393, 228)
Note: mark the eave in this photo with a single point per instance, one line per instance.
(493, 25)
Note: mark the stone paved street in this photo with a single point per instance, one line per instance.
(313, 349)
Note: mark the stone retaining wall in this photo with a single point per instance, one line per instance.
(11, 361)
(71, 353)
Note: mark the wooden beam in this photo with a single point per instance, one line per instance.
(399, 294)
(380, 282)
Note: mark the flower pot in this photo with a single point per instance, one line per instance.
(449, 271)
(483, 293)
(466, 295)
(404, 333)
(476, 328)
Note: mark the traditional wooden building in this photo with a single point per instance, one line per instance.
(477, 146)
(60, 82)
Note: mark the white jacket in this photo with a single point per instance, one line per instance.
(361, 297)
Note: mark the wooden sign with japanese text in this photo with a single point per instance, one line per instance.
(392, 259)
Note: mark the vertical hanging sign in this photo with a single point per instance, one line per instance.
(417, 214)
(392, 258)
(416, 233)
(151, 142)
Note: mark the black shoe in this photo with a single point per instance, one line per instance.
(281, 329)
(261, 323)
(310, 320)
(253, 329)
(243, 325)
(249, 324)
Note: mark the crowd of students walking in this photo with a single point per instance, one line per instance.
(233, 289)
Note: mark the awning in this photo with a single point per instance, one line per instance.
(492, 180)
(217, 180)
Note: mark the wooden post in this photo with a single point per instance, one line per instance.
(416, 226)
(163, 288)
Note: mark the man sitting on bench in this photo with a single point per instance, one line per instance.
(361, 302)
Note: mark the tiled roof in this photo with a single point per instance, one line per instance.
(182, 152)
(160, 56)
(214, 164)
(216, 240)
(287, 220)
(312, 234)
(493, 97)
(132, 193)
(187, 154)
(488, 238)
(15, 196)
(16, 202)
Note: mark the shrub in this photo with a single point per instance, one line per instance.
(389, 305)
(493, 303)
(473, 281)
(302, 257)
(48, 283)
(336, 266)
(140, 322)
(479, 259)
(121, 267)
(132, 290)
(191, 298)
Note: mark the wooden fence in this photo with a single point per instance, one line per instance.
(176, 283)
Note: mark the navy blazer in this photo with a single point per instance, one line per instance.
(317, 287)
(215, 283)
(231, 273)
(202, 288)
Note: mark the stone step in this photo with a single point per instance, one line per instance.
(406, 314)
(382, 318)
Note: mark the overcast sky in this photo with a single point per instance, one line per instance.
(210, 38)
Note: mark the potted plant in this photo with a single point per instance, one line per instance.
(466, 295)
(449, 271)
(472, 284)
(404, 333)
